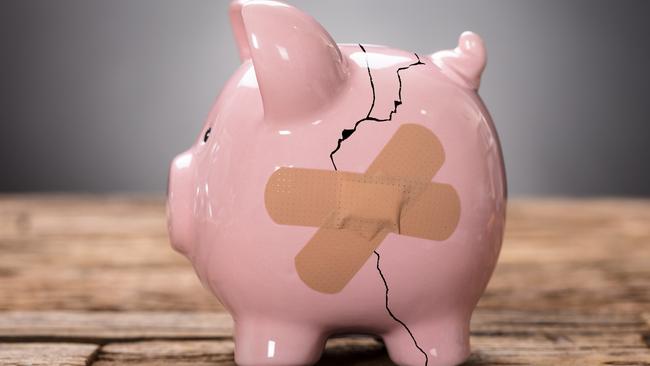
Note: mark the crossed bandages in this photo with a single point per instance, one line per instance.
(355, 212)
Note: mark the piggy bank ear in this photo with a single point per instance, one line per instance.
(299, 68)
(465, 63)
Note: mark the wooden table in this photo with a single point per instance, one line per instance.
(92, 280)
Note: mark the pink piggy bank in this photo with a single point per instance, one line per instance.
(342, 189)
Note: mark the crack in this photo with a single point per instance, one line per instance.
(426, 357)
(94, 356)
(646, 339)
(346, 133)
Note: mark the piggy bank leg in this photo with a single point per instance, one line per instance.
(262, 342)
(445, 342)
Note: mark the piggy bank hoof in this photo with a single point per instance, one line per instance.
(439, 343)
(269, 343)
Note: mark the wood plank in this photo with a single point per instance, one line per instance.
(47, 354)
(497, 322)
(581, 255)
(98, 274)
(163, 353)
(537, 350)
(67, 215)
(602, 286)
(92, 253)
(348, 351)
(562, 358)
(103, 327)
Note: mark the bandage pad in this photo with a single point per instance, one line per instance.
(355, 212)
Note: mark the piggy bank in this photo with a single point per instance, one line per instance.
(342, 189)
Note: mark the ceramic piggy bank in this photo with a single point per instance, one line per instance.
(342, 189)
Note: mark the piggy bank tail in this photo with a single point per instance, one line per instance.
(465, 63)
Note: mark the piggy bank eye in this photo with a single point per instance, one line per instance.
(207, 135)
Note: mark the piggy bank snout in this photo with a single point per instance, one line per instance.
(180, 204)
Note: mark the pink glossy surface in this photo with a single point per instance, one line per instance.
(288, 107)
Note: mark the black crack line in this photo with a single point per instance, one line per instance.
(348, 132)
(426, 357)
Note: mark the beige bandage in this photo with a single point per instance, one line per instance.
(355, 212)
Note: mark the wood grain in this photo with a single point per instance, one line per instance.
(92, 279)
(47, 354)
(103, 327)
(92, 253)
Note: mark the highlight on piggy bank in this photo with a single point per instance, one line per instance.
(342, 189)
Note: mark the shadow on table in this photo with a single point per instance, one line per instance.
(368, 351)
(362, 351)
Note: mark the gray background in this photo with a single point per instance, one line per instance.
(100, 95)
